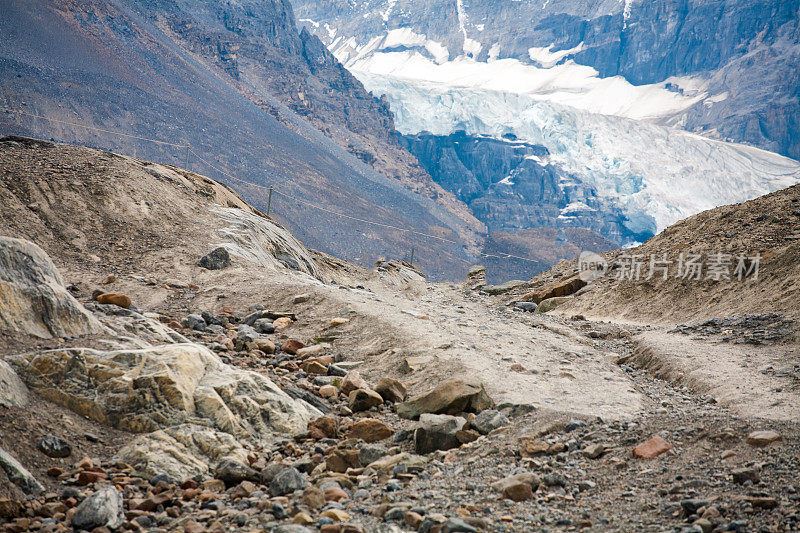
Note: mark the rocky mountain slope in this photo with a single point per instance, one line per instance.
(171, 358)
(250, 93)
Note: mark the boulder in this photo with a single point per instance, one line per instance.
(181, 452)
(364, 400)
(451, 397)
(216, 259)
(102, 509)
(488, 420)
(504, 287)
(161, 386)
(437, 432)
(352, 381)
(551, 303)
(391, 390)
(33, 299)
(18, 474)
(370, 430)
(234, 472)
(556, 290)
(53, 446)
(13, 392)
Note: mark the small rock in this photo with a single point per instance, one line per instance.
(593, 451)
(233, 473)
(370, 453)
(195, 322)
(101, 509)
(488, 420)
(287, 481)
(52, 446)
(323, 427)
(216, 259)
(328, 391)
(761, 502)
(652, 448)
(291, 346)
(281, 323)
(337, 515)
(301, 298)
(10, 508)
(120, 300)
(742, 475)
(335, 494)
(760, 439)
(451, 397)
(264, 325)
(314, 498)
(518, 492)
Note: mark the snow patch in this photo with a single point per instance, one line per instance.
(547, 59)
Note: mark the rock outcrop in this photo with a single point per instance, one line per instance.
(33, 299)
(162, 386)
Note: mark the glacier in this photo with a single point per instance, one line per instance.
(606, 131)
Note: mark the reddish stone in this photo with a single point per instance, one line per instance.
(87, 478)
(291, 346)
(335, 494)
(518, 492)
(652, 448)
(370, 430)
(323, 427)
(120, 300)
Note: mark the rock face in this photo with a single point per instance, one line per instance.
(13, 392)
(477, 169)
(154, 388)
(33, 299)
(451, 397)
(101, 509)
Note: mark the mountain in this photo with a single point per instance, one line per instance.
(635, 102)
(253, 95)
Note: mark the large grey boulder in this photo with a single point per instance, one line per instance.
(101, 509)
(18, 474)
(33, 299)
(451, 397)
